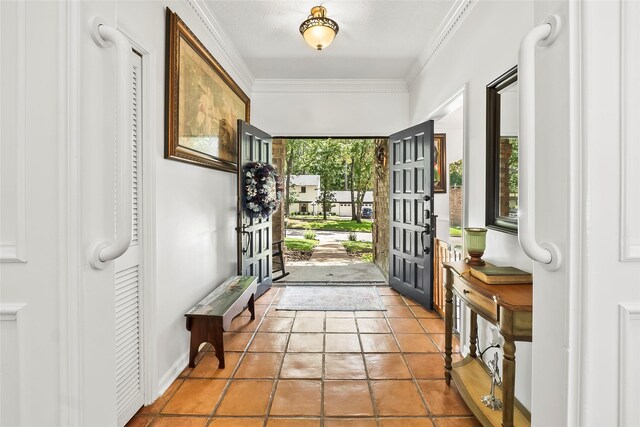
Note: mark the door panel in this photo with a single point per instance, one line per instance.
(254, 235)
(411, 204)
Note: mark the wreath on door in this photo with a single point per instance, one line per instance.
(262, 189)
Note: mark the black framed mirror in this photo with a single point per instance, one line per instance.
(502, 153)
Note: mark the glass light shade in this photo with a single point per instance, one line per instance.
(475, 239)
(318, 30)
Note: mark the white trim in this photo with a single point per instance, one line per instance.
(225, 44)
(629, 132)
(9, 312)
(629, 374)
(173, 372)
(16, 250)
(329, 86)
(450, 24)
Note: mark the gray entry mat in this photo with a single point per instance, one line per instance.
(331, 298)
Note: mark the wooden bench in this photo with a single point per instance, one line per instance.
(213, 315)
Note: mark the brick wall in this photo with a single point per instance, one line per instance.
(455, 206)
(277, 220)
(381, 212)
(505, 154)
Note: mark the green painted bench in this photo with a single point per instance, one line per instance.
(208, 319)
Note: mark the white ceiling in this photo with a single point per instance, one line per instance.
(378, 39)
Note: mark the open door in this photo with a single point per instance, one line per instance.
(254, 235)
(411, 227)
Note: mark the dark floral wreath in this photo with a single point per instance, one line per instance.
(262, 189)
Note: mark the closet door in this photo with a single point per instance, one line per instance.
(128, 280)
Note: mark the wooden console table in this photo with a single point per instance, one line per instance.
(510, 308)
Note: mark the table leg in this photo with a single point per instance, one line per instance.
(448, 325)
(508, 381)
(252, 308)
(473, 334)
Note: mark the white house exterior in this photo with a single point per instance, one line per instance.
(342, 205)
(305, 189)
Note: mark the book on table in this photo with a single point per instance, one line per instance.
(494, 275)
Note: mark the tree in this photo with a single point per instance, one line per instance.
(323, 157)
(293, 166)
(361, 153)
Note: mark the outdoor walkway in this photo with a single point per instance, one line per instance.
(330, 263)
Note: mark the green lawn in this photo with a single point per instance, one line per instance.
(302, 245)
(455, 232)
(329, 224)
(357, 247)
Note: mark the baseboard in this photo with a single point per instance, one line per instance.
(174, 371)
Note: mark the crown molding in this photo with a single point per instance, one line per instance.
(450, 24)
(230, 53)
(329, 86)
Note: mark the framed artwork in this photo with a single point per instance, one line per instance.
(203, 103)
(439, 163)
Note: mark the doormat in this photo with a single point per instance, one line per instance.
(331, 298)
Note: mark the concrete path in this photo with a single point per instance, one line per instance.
(329, 236)
(330, 264)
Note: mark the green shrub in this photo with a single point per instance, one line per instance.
(310, 235)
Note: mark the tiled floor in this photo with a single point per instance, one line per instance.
(312, 369)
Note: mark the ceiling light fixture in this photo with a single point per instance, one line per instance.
(318, 30)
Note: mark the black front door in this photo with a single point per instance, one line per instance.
(254, 235)
(410, 213)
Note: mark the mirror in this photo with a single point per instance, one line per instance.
(502, 153)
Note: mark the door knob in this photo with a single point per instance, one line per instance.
(427, 197)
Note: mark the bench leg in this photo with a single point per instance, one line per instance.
(198, 330)
(252, 307)
(218, 342)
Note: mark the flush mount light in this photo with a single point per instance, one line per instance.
(318, 30)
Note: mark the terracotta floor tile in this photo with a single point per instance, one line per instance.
(338, 314)
(208, 366)
(406, 422)
(438, 339)
(280, 313)
(236, 341)
(297, 398)
(259, 365)
(244, 324)
(350, 422)
(246, 398)
(344, 366)
(180, 422)
(362, 314)
(268, 297)
(341, 325)
(306, 343)
(342, 343)
(457, 422)
(156, 406)
(423, 312)
(195, 397)
(259, 309)
(442, 399)
(236, 422)
(269, 343)
(276, 324)
(187, 370)
(409, 301)
(433, 326)
(301, 365)
(293, 422)
(385, 290)
(310, 314)
(397, 398)
(399, 311)
(405, 325)
(373, 326)
(426, 365)
(416, 343)
(378, 343)
(392, 300)
(386, 367)
(140, 421)
(347, 398)
(308, 324)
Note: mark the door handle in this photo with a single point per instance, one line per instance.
(426, 249)
(243, 232)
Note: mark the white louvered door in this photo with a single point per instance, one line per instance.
(128, 283)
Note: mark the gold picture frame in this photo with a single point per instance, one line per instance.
(203, 103)
(440, 163)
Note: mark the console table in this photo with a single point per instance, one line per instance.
(510, 308)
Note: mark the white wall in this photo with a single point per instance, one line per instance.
(483, 48)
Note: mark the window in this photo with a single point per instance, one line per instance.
(303, 189)
(502, 153)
